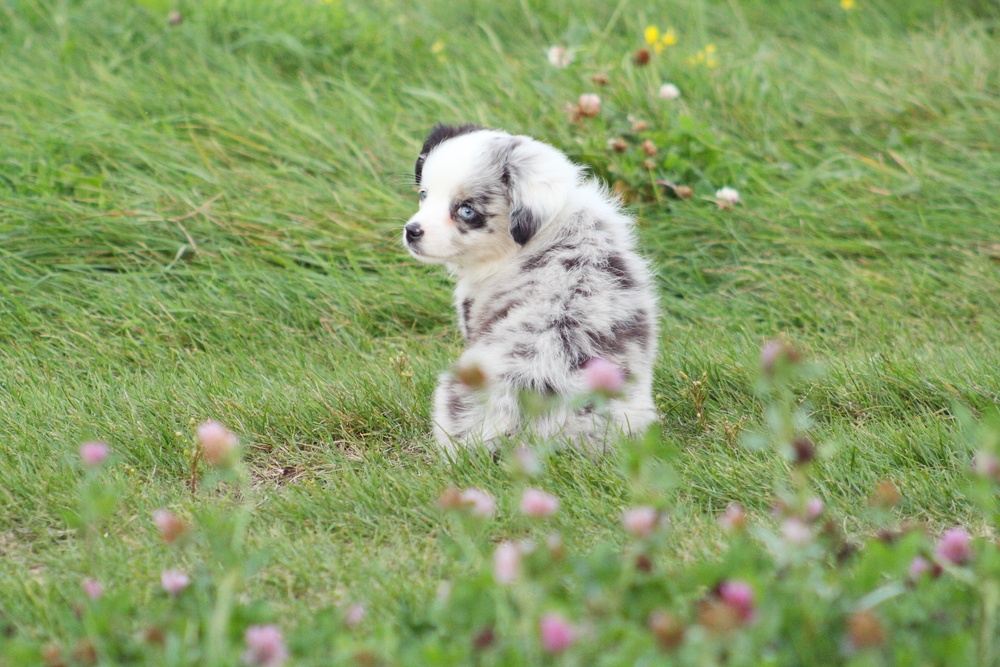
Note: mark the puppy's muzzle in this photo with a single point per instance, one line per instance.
(413, 231)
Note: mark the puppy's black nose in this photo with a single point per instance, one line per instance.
(413, 231)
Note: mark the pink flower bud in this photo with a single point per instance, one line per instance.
(506, 563)
(641, 521)
(93, 588)
(478, 502)
(265, 646)
(174, 582)
(955, 546)
(865, 630)
(589, 104)
(600, 376)
(527, 462)
(355, 614)
(556, 632)
(93, 454)
(738, 596)
(920, 566)
(734, 518)
(795, 531)
(170, 527)
(814, 509)
(218, 444)
(538, 504)
(986, 464)
(776, 353)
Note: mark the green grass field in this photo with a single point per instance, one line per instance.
(202, 220)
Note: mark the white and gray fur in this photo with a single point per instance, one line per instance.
(547, 279)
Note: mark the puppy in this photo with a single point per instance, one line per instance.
(547, 280)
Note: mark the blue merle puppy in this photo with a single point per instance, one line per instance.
(547, 279)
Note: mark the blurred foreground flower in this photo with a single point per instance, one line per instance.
(479, 502)
(94, 454)
(527, 462)
(471, 375)
(265, 646)
(506, 563)
(536, 503)
(865, 630)
(920, 566)
(170, 527)
(600, 376)
(955, 546)
(559, 56)
(589, 104)
(727, 197)
(556, 632)
(734, 518)
(731, 607)
(173, 581)
(847, 5)
(777, 353)
(476, 501)
(641, 521)
(667, 629)
(218, 444)
(814, 509)
(987, 465)
(795, 531)
(355, 614)
(669, 91)
(739, 596)
(93, 588)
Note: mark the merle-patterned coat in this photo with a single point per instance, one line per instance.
(547, 279)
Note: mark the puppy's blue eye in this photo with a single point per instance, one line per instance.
(423, 195)
(465, 212)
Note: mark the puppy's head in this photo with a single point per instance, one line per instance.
(484, 194)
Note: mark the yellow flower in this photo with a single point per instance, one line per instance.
(438, 49)
(847, 5)
(658, 40)
(705, 56)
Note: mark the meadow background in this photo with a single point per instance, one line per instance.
(200, 218)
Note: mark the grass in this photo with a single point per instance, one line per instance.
(202, 220)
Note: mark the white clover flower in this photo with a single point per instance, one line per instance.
(560, 56)
(727, 197)
(589, 104)
(669, 91)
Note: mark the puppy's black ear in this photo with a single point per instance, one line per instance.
(523, 225)
(539, 180)
(440, 133)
